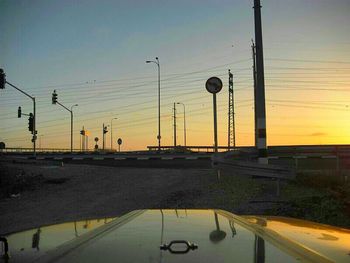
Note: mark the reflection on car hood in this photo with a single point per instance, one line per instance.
(219, 235)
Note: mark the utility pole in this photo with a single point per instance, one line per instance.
(231, 140)
(255, 98)
(185, 136)
(174, 125)
(260, 87)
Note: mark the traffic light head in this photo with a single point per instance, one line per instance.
(54, 97)
(82, 132)
(105, 130)
(31, 123)
(2, 79)
(19, 112)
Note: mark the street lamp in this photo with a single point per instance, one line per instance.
(71, 126)
(112, 132)
(157, 62)
(184, 120)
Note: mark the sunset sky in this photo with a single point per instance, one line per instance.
(93, 53)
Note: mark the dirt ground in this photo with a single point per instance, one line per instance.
(56, 194)
(75, 192)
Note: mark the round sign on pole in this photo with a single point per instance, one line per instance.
(119, 141)
(96, 139)
(213, 85)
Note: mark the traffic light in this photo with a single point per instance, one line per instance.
(31, 123)
(54, 97)
(19, 112)
(105, 130)
(2, 79)
(82, 132)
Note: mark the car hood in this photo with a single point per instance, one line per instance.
(220, 236)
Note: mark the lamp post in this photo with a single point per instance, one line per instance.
(112, 132)
(157, 63)
(184, 121)
(71, 126)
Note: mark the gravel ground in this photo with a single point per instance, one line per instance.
(74, 192)
(50, 194)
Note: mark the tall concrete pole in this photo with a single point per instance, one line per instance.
(159, 136)
(71, 131)
(174, 125)
(255, 100)
(260, 88)
(34, 127)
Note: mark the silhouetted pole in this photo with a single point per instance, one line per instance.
(260, 87)
(213, 86)
(174, 125)
(34, 127)
(71, 127)
(215, 124)
(112, 132)
(55, 101)
(185, 139)
(159, 137)
(34, 110)
(255, 99)
(158, 65)
(231, 140)
(103, 136)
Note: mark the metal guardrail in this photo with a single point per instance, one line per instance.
(272, 150)
(283, 150)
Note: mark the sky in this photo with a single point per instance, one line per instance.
(93, 54)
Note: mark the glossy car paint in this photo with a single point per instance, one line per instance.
(220, 236)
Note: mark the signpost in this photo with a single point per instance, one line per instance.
(119, 141)
(214, 85)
